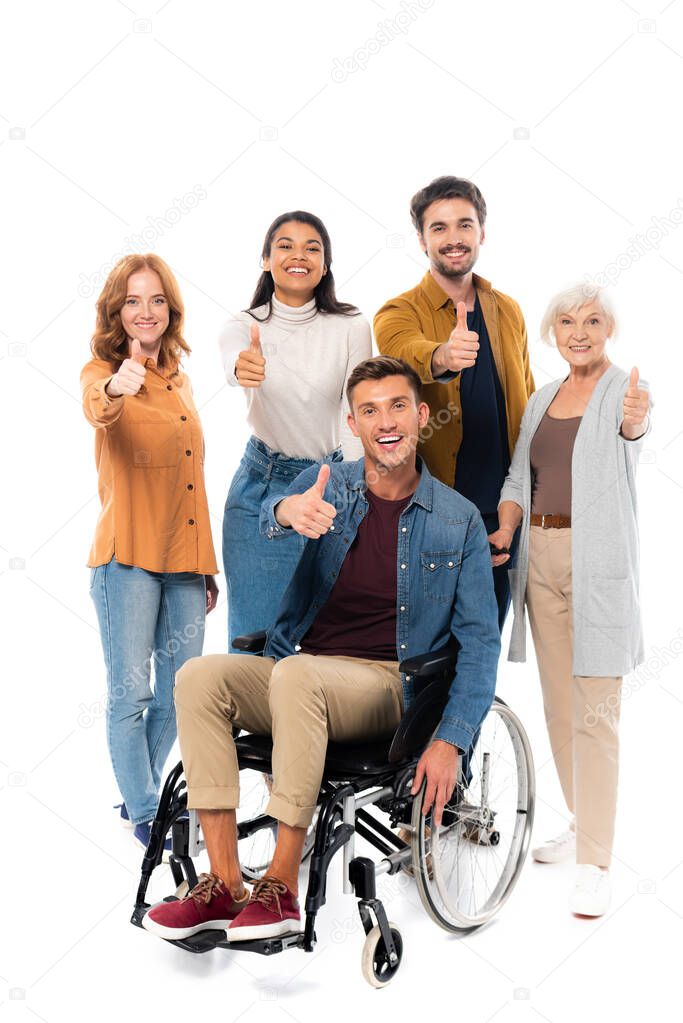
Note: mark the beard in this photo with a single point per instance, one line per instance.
(453, 271)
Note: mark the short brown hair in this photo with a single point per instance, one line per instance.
(383, 366)
(446, 187)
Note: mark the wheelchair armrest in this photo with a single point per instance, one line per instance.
(419, 722)
(253, 643)
(431, 664)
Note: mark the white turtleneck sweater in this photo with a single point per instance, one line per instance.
(300, 408)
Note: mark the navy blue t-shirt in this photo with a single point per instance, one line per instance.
(483, 459)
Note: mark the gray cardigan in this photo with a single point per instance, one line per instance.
(605, 550)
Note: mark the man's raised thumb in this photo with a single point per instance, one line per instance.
(633, 379)
(323, 477)
(461, 321)
(255, 339)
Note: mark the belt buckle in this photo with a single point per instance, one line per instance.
(543, 518)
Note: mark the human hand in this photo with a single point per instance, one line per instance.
(250, 368)
(308, 513)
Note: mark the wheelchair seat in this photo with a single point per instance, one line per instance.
(432, 671)
(342, 760)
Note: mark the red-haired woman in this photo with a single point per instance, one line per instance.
(152, 561)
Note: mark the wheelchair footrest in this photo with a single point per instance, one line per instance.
(204, 941)
(268, 946)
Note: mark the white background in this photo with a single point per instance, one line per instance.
(567, 116)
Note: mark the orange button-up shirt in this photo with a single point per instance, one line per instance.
(149, 452)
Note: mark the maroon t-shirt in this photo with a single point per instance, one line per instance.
(359, 618)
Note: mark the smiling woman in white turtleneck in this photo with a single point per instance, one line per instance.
(292, 351)
(300, 409)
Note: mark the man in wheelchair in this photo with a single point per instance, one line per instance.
(397, 564)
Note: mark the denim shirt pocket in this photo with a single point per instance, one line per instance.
(440, 571)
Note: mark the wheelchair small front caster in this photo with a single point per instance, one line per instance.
(377, 968)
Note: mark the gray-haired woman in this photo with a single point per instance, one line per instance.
(571, 485)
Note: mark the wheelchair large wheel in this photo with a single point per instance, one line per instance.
(256, 848)
(466, 868)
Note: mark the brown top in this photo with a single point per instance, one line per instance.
(149, 452)
(550, 453)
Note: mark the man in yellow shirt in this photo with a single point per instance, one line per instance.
(468, 343)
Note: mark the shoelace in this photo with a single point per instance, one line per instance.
(267, 891)
(566, 836)
(207, 886)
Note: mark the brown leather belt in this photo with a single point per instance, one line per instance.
(551, 521)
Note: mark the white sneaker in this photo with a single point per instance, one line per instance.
(591, 893)
(556, 849)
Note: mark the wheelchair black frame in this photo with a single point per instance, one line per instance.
(341, 816)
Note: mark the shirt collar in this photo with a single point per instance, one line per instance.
(438, 297)
(422, 494)
(151, 364)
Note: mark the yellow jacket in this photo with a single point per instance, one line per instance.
(413, 325)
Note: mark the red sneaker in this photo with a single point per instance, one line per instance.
(209, 906)
(271, 910)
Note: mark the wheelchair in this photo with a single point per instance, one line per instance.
(465, 869)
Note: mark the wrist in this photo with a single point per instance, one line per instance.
(451, 746)
(280, 514)
(632, 431)
(437, 365)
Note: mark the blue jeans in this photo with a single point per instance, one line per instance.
(258, 570)
(145, 618)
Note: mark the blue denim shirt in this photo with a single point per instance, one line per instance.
(444, 588)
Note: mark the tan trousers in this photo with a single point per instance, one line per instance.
(582, 713)
(302, 700)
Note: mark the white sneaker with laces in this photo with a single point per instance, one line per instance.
(556, 849)
(592, 890)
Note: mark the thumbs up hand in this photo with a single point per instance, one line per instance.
(131, 374)
(308, 513)
(250, 368)
(636, 408)
(136, 352)
(460, 351)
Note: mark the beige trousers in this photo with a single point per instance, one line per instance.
(582, 713)
(302, 700)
